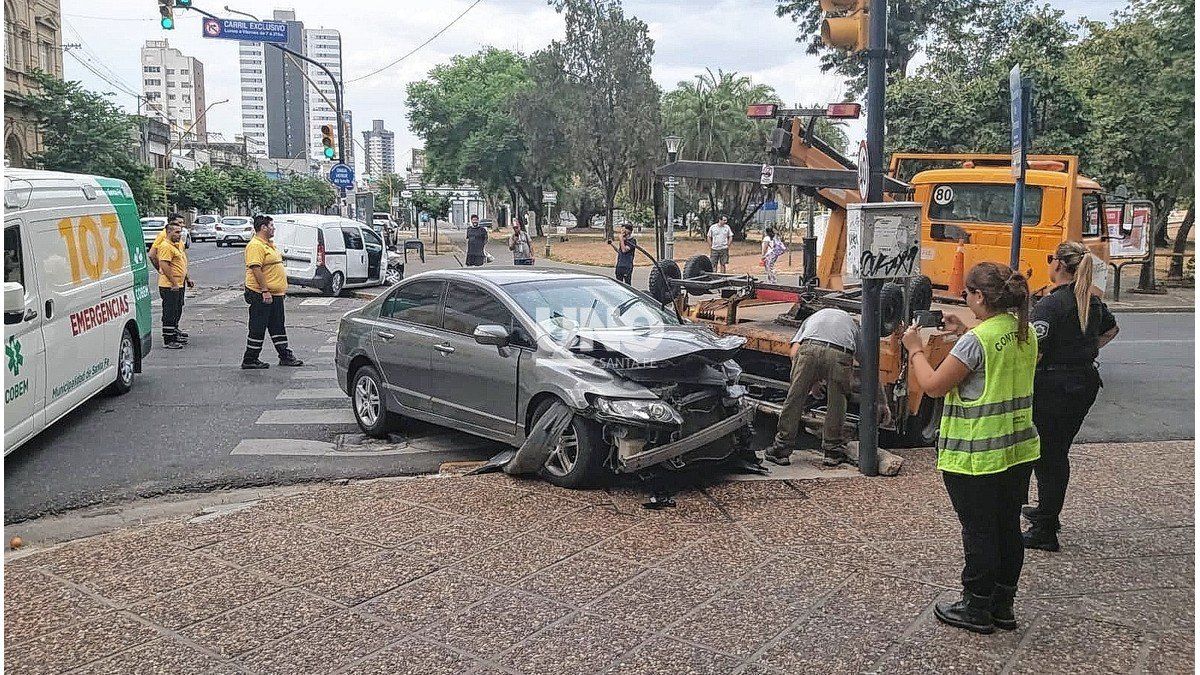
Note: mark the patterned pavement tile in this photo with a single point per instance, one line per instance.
(258, 623)
(736, 623)
(1062, 639)
(579, 646)
(322, 647)
(826, 642)
(161, 656)
(398, 529)
(369, 577)
(718, 559)
(205, 599)
(669, 656)
(36, 604)
(430, 600)
(497, 623)
(516, 558)
(415, 657)
(651, 541)
(591, 525)
(1173, 653)
(77, 645)
(460, 539)
(936, 658)
(581, 578)
(653, 599)
(315, 558)
(272, 541)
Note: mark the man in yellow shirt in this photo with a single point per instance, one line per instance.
(172, 278)
(266, 287)
(174, 219)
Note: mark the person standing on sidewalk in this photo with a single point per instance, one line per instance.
(172, 279)
(772, 248)
(719, 237)
(987, 443)
(266, 288)
(520, 245)
(625, 245)
(477, 237)
(1072, 325)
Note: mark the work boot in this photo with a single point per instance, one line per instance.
(256, 364)
(1002, 607)
(835, 456)
(1034, 515)
(182, 334)
(1041, 538)
(172, 345)
(973, 613)
(778, 454)
(290, 360)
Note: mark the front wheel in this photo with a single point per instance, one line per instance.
(370, 409)
(336, 282)
(126, 362)
(577, 458)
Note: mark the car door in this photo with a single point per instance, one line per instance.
(356, 254)
(403, 341)
(374, 252)
(474, 384)
(24, 345)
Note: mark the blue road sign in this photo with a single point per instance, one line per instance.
(770, 206)
(250, 31)
(342, 176)
(1017, 109)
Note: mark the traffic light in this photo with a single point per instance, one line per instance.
(327, 140)
(166, 10)
(183, 4)
(850, 29)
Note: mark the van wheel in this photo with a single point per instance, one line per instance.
(336, 282)
(578, 457)
(126, 361)
(370, 409)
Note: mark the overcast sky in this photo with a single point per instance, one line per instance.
(689, 35)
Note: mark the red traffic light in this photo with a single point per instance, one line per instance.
(759, 111)
(843, 110)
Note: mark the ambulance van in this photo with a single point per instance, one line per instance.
(76, 296)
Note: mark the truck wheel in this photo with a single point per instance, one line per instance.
(578, 458)
(661, 275)
(126, 362)
(367, 400)
(697, 266)
(334, 287)
(920, 294)
(891, 308)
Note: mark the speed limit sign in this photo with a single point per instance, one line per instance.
(943, 195)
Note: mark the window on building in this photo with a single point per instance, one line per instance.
(171, 97)
(183, 71)
(153, 83)
(170, 71)
(151, 69)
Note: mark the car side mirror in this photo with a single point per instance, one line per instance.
(491, 335)
(14, 302)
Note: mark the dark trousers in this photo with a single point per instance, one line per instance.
(624, 275)
(1061, 400)
(265, 318)
(172, 310)
(989, 508)
(523, 261)
(476, 260)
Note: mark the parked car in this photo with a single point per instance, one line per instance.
(204, 228)
(330, 253)
(152, 225)
(386, 228)
(235, 230)
(490, 351)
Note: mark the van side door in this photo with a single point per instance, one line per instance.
(356, 254)
(24, 345)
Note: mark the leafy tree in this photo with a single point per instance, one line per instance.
(303, 194)
(582, 199)
(84, 132)
(608, 101)
(437, 206)
(251, 189)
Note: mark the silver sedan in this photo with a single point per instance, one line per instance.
(493, 351)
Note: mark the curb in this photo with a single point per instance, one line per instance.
(1167, 309)
(363, 295)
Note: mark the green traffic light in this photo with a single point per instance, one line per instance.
(328, 153)
(183, 3)
(168, 23)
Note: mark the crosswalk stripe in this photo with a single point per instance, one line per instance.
(327, 349)
(314, 375)
(322, 302)
(220, 298)
(329, 393)
(307, 416)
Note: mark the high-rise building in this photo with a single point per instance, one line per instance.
(324, 46)
(278, 129)
(173, 90)
(32, 40)
(380, 155)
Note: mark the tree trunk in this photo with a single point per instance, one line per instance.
(1146, 278)
(1181, 237)
(610, 199)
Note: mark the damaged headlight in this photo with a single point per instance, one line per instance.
(639, 410)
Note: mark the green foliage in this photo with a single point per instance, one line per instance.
(84, 132)
(304, 194)
(205, 189)
(437, 206)
(252, 190)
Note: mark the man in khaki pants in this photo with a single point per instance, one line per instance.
(823, 349)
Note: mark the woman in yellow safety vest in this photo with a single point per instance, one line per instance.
(987, 443)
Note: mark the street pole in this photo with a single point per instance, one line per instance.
(810, 242)
(669, 237)
(1020, 90)
(868, 425)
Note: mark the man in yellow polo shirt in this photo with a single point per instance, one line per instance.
(266, 287)
(176, 219)
(172, 278)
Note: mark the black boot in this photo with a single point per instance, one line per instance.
(1002, 607)
(1041, 538)
(973, 612)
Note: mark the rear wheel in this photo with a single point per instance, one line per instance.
(661, 276)
(335, 285)
(370, 409)
(577, 459)
(126, 362)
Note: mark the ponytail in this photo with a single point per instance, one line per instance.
(1078, 261)
(1003, 290)
(1017, 288)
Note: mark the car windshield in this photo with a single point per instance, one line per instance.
(205, 220)
(563, 306)
(236, 221)
(154, 224)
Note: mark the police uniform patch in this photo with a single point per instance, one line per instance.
(1041, 329)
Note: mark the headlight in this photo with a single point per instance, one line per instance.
(642, 410)
(735, 391)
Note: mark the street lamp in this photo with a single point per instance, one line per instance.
(673, 143)
(171, 148)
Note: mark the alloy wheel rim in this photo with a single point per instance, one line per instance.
(565, 454)
(126, 364)
(366, 401)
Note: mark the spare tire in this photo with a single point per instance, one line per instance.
(660, 286)
(891, 308)
(920, 294)
(697, 266)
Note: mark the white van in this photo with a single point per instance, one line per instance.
(329, 252)
(76, 295)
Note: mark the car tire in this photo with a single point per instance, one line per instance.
(661, 275)
(367, 401)
(126, 362)
(891, 308)
(920, 294)
(220, 243)
(579, 464)
(336, 285)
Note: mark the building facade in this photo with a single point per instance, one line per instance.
(380, 156)
(325, 47)
(278, 129)
(173, 90)
(32, 41)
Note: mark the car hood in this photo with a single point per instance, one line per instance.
(640, 348)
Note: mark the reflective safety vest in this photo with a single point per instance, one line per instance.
(995, 431)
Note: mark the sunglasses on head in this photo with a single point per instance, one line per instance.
(1051, 258)
(968, 292)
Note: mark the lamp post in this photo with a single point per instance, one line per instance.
(171, 148)
(672, 142)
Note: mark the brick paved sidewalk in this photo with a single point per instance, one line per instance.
(492, 574)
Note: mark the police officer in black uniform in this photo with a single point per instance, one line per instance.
(1071, 325)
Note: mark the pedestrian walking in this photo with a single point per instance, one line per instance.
(719, 238)
(266, 288)
(987, 444)
(625, 245)
(1071, 325)
(477, 237)
(172, 280)
(520, 245)
(772, 248)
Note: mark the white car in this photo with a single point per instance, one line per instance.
(235, 230)
(204, 228)
(152, 225)
(329, 253)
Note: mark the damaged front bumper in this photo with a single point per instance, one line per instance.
(743, 418)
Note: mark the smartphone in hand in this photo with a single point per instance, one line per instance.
(929, 318)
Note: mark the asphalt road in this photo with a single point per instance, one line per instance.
(195, 421)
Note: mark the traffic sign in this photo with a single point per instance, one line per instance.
(864, 170)
(342, 176)
(550, 197)
(768, 174)
(1017, 109)
(770, 205)
(407, 194)
(395, 202)
(249, 31)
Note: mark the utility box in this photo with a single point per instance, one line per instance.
(883, 241)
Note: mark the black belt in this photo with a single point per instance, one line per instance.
(831, 345)
(1052, 367)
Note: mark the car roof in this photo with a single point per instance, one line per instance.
(314, 219)
(503, 276)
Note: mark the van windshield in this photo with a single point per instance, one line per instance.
(982, 203)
